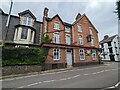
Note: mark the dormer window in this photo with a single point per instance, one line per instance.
(56, 26)
(27, 21)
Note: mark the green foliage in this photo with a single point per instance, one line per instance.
(13, 56)
(45, 38)
(118, 8)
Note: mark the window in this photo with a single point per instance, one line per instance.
(24, 33)
(80, 40)
(56, 26)
(56, 38)
(79, 28)
(67, 39)
(82, 57)
(92, 41)
(67, 29)
(90, 30)
(24, 20)
(30, 21)
(27, 21)
(31, 36)
(56, 54)
(93, 55)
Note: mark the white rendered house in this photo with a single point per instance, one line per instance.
(110, 48)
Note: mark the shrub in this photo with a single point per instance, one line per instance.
(13, 56)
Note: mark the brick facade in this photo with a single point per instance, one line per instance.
(74, 46)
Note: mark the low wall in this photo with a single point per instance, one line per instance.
(20, 69)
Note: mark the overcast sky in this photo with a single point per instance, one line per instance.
(101, 14)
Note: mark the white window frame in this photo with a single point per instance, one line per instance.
(26, 34)
(56, 59)
(27, 21)
(80, 39)
(67, 29)
(67, 35)
(56, 26)
(93, 58)
(92, 42)
(79, 28)
(57, 38)
(90, 31)
(83, 54)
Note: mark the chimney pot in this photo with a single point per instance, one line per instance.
(106, 37)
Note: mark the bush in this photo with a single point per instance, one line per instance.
(13, 56)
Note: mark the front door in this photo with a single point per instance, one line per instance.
(69, 57)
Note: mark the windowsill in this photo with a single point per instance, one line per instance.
(56, 29)
(82, 59)
(56, 59)
(80, 31)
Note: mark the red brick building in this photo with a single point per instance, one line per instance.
(73, 44)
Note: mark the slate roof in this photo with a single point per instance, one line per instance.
(108, 40)
(25, 12)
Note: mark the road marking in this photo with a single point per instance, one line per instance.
(63, 79)
(49, 81)
(117, 84)
(94, 73)
(76, 76)
(48, 73)
(32, 84)
(85, 74)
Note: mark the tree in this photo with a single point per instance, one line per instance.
(118, 9)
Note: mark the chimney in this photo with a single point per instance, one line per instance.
(46, 12)
(106, 37)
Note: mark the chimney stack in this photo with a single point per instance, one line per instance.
(46, 12)
(106, 37)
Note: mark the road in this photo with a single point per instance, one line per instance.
(96, 76)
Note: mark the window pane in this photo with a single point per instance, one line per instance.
(90, 30)
(56, 54)
(56, 26)
(67, 39)
(24, 20)
(92, 42)
(30, 21)
(80, 40)
(24, 33)
(79, 28)
(67, 29)
(31, 35)
(82, 54)
(93, 55)
(56, 38)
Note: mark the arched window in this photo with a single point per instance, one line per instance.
(91, 32)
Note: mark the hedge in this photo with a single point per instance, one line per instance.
(20, 56)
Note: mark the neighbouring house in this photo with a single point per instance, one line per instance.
(23, 30)
(110, 48)
(73, 44)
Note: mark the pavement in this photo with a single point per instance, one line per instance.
(98, 77)
(49, 71)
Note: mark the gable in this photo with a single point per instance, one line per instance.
(86, 20)
(27, 13)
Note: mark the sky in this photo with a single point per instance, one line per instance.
(100, 13)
